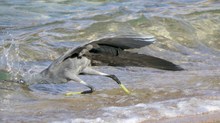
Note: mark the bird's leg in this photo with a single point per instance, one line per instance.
(119, 83)
(77, 79)
(91, 71)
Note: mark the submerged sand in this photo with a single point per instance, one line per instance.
(211, 117)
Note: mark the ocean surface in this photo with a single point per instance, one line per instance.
(34, 33)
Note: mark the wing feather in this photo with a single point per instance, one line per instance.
(110, 51)
(126, 42)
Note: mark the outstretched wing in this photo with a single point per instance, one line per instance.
(110, 51)
(117, 57)
(126, 42)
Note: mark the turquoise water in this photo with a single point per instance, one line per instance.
(33, 33)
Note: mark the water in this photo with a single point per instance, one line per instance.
(33, 33)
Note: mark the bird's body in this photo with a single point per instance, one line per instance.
(107, 51)
(59, 73)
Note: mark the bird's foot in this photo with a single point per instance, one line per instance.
(124, 88)
(83, 92)
(72, 93)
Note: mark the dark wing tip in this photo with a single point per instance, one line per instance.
(173, 68)
(178, 68)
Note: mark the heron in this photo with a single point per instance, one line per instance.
(111, 51)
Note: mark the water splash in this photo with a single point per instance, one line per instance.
(11, 60)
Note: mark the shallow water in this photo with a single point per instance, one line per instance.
(33, 33)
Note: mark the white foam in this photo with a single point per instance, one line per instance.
(152, 111)
(165, 109)
(100, 120)
(81, 120)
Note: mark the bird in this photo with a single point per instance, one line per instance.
(109, 51)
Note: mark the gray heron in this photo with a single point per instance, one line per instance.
(107, 51)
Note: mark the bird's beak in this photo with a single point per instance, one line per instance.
(124, 88)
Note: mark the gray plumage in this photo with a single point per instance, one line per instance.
(107, 51)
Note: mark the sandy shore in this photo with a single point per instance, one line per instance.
(212, 117)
